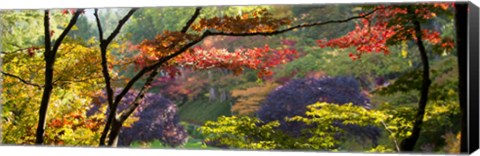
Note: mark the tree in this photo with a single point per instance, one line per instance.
(23, 90)
(169, 45)
(76, 76)
(390, 25)
(50, 55)
(155, 118)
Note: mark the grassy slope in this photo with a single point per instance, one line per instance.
(199, 111)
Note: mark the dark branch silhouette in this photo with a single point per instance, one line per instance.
(103, 48)
(408, 143)
(192, 19)
(22, 80)
(209, 33)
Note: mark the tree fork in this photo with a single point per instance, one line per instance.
(103, 49)
(117, 123)
(49, 55)
(207, 33)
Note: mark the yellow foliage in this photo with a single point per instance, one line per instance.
(452, 143)
(248, 100)
(77, 73)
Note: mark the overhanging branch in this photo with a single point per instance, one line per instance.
(99, 25)
(293, 27)
(210, 33)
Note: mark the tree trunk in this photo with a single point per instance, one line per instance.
(49, 56)
(114, 132)
(110, 120)
(461, 22)
(112, 105)
(408, 144)
(47, 90)
(106, 75)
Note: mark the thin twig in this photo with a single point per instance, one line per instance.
(391, 133)
(22, 80)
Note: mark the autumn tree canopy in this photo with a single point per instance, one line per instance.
(236, 77)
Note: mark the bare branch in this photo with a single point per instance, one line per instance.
(15, 51)
(192, 19)
(22, 80)
(391, 133)
(103, 48)
(65, 32)
(103, 54)
(125, 114)
(84, 80)
(99, 25)
(119, 26)
(48, 42)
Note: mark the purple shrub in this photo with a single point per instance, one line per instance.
(157, 120)
(292, 98)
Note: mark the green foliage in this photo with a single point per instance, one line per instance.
(241, 132)
(442, 112)
(191, 144)
(380, 149)
(326, 114)
(210, 111)
(77, 76)
(399, 122)
(251, 133)
(335, 62)
(20, 24)
(326, 118)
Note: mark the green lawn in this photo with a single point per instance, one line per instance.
(199, 111)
